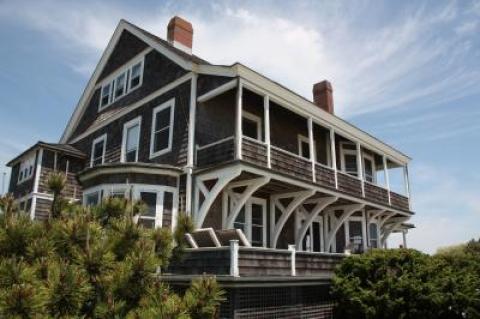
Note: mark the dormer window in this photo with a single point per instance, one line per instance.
(106, 95)
(136, 76)
(121, 83)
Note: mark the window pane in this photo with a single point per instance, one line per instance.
(98, 153)
(135, 77)
(147, 223)
(316, 236)
(250, 128)
(132, 137)
(368, 170)
(120, 85)
(161, 140)
(131, 156)
(240, 221)
(92, 199)
(150, 199)
(257, 236)
(162, 119)
(355, 234)
(305, 149)
(351, 164)
(105, 94)
(257, 215)
(167, 209)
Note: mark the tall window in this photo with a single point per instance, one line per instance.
(131, 140)
(251, 125)
(373, 232)
(252, 221)
(106, 94)
(162, 129)
(120, 82)
(136, 76)
(98, 151)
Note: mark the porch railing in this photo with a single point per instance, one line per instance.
(288, 163)
(238, 261)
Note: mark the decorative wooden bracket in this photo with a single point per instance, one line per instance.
(297, 199)
(348, 211)
(239, 199)
(220, 179)
(320, 205)
(388, 229)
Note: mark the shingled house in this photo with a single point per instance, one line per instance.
(235, 150)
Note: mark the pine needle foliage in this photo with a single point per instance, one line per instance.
(93, 263)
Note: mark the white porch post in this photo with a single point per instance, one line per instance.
(191, 146)
(234, 270)
(238, 122)
(334, 155)
(360, 167)
(266, 111)
(311, 147)
(404, 236)
(387, 178)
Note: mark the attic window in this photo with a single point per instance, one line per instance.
(122, 82)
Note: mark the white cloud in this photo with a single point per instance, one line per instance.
(401, 60)
(448, 210)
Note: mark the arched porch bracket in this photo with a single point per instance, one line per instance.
(348, 211)
(390, 228)
(240, 199)
(223, 177)
(297, 199)
(321, 204)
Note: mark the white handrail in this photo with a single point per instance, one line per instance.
(290, 153)
(214, 143)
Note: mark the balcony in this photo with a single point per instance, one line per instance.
(292, 165)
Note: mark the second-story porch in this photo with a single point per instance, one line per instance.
(313, 177)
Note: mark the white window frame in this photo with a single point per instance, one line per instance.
(346, 226)
(126, 126)
(377, 239)
(104, 191)
(302, 138)
(142, 63)
(127, 70)
(344, 152)
(258, 120)
(374, 170)
(248, 218)
(169, 104)
(102, 138)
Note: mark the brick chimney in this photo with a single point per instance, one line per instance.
(323, 96)
(180, 34)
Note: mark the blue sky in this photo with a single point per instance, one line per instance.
(405, 71)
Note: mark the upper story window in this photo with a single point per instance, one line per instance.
(121, 83)
(369, 168)
(304, 146)
(26, 169)
(251, 125)
(131, 140)
(98, 151)
(162, 129)
(349, 158)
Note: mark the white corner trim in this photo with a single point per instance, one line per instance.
(169, 104)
